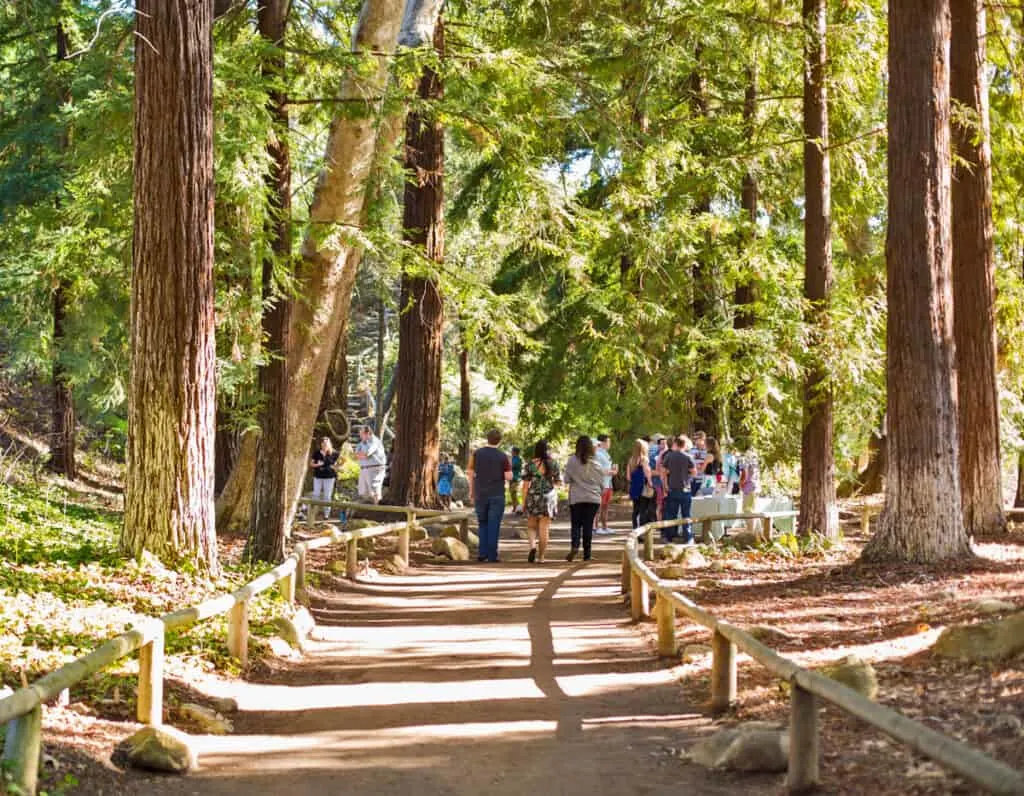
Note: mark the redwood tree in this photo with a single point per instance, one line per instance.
(421, 322)
(172, 401)
(62, 437)
(817, 468)
(922, 520)
(271, 504)
(974, 290)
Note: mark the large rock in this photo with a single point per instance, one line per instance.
(854, 672)
(295, 629)
(395, 565)
(206, 719)
(991, 605)
(770, 635)
(752, 747)
(161, 749)
(743, 540)
(452, 548)
(452, 531)
(985, 641)
(687, 555)
(460, 486)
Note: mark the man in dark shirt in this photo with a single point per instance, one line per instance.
(488, 472)
(676, 470)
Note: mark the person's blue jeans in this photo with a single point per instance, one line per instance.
(489, 512)
(677, 504)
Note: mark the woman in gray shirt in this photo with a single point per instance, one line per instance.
(585, 478)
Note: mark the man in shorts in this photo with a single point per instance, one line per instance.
(372, 465)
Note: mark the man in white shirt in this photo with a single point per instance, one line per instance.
(372, 463)
(604, 459)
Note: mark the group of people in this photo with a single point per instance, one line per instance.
(665, 475)
(372, 468)
(588, 475)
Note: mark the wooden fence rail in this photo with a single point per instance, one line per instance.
(807, 687)
(22, 710)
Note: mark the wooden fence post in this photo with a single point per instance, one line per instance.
(666, 613)
(287, 587)
(804, 752)
(627, 575)
(705, 531)
(238, 632)
(405, 534)
(300, 573)
(23, 746)
(649, 545)
(464, 529)
(767, 531)
(865, 520)
(723, 672)
(352, 559)
(150, 706)
(639, 593)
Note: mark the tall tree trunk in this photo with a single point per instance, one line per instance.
(1018, 498)
(922, 520)
(465, 400)
(330, 258)
(334, 402)
(272, 510)
(421, 323)
(378, 400)
(743, 294)
(62, 438)
(172, 396)
(704, 414)
(974, 290)
(817, 468)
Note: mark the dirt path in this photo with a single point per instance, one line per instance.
(474, 679)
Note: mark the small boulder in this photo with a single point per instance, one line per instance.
(295, 629)
(280, 647)
(672, 572)
(744, 540)
(854, 672)
(418, 533)
(161, 749)
(753, 747)
(395, 565)
(225, 705)
(993, 606)
(359, 523)
(473, 541)
(770, 635)
(206, 719)
(691, 652)
(460, 487)
(686, 555)
(451, 530)
(985, 641)
(452, 548)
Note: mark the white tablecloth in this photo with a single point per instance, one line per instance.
(733, 504)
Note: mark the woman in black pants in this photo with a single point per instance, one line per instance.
(585, 479)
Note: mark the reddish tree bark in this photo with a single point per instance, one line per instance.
(418, 416)
(922, 520)
(974, 289)
(465, 401)
(272, 507)
(817, 466)
(64, 425)
(172, 399)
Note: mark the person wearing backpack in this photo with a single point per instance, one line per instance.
(540, 499)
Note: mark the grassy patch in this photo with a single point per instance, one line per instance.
(65, 589)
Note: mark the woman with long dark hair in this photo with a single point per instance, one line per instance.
(540, 498)
(585, 478)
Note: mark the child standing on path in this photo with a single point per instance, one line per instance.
(445, 476)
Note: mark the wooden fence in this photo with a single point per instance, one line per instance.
(807, 687)
(22, 711)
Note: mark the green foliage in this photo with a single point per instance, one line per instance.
(788, 545)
